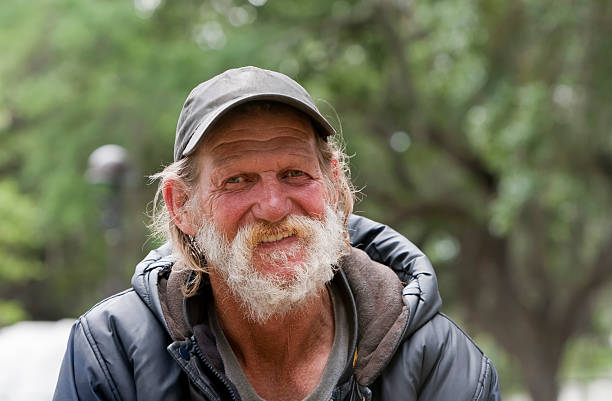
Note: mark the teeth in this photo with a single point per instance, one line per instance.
(277, 237)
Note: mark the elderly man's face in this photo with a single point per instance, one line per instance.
(262, 167)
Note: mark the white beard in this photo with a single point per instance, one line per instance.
(263, 296)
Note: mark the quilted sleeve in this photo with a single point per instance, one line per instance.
(440, 362)
(83, 375)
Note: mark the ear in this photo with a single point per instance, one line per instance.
(335, 168)
(335, 173)
(175, 198)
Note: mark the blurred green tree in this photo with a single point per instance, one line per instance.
(480, 129)
(19, 245)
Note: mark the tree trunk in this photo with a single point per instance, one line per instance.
(540, 376)
(542, 388)
(526, 330)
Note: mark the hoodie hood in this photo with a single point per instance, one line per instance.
(388, 310)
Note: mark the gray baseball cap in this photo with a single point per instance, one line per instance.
(210, 100)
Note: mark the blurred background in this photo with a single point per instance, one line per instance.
(481, 130)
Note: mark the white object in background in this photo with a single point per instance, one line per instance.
(30, 358)
(596, 389)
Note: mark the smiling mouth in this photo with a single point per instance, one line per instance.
(277, 237)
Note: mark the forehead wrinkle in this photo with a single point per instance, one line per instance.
(293, 134)
(289, 144)
(229, 159)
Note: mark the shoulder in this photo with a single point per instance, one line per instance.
(118, 348)
(117, 313)
(123, 326)
(440, 361)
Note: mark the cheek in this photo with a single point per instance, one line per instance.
(227, 212)
(312, 199)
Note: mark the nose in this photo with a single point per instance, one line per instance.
(272, 203)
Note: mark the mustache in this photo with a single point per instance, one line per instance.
(262, 231)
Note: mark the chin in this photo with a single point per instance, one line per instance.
(279, 309)
(282, 265)
(282, 291)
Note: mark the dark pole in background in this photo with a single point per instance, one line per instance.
(109, 167)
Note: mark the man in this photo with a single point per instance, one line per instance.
(258, 294)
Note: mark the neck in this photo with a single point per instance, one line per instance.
(291, 349)
(280, 337)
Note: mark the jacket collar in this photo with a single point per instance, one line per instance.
(384, 311)
(372, 293)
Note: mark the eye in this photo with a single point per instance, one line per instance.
(294, 173)
(235, 180)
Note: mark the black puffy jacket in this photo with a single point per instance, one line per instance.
(406, 349)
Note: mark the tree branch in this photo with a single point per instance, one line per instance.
(464, 158)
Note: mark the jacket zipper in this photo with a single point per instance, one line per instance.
(208, 365)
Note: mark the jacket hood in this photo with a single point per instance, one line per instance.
(145, 280)
(387, 246)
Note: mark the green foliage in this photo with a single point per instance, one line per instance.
(19, 234)
(20, 239)
(590, 355)
(11, 312)
(479, 129)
